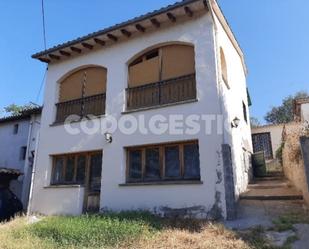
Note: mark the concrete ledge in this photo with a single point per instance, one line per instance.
(272, 198)
(159, 106)
(64, 186)
(158, 183)
(78, 121)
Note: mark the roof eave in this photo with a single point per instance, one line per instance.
(47, 56)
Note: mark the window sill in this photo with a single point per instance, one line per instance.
(180, 182)
(159, 106)
(64, 186)
(77, 121)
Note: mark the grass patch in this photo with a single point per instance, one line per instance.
(255, 237)
(136, 230)
(95, 231)
(286, 222)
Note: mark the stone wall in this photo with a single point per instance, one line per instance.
(293, 163)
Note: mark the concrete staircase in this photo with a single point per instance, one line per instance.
(265, 200)
(273, 187)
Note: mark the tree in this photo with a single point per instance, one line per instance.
(284, 113)
(254, 122)
(14, 110)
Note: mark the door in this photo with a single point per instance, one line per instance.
(93, 183)
(259, 164)
(262, 142)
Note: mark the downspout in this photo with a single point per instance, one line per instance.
(26, 165)
(33, 174)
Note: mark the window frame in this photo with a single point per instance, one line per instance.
(162, 163)
(65, 159)
(15, 129)
(245, 111)
(23, 153)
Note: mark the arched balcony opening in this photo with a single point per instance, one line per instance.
(162, 76)
(82, 93)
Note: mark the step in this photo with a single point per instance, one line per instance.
(271, 197)
(268, 186)
(269, 178)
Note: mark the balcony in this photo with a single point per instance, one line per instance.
(92, 105)
(162, 93)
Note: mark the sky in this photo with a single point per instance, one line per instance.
(273, 34)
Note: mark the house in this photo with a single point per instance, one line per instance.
(301, 110)
(18, 136)
(181, 62)
(267, 138)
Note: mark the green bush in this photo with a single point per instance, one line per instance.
(279, 152)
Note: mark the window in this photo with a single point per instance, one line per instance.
(175, 161)
(162, 76)
(82, 93)
(23, 152)
(72, 169)
(164, 63)
(15, 129)
(244, 108)
(224, 68)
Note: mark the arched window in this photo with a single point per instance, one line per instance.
(224, 68)
(163, 63)
(82, 93)
(168, 72)
(83, 83)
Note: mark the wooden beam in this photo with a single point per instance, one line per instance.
(112, 37)
(77, 50)
(64, 53)
(44, 60)
(171, 17)
(140, 28)
(155, 22)
(188, 11)
(87, 45)
(99, 41)
(55, 57)
(126, 32)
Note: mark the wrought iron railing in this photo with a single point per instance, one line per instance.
(92, 105)
(162, 93)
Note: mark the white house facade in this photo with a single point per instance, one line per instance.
(18, 136)
(179, 63)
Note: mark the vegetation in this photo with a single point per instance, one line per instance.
(256, 238)
(138, 230)
(13, 109)
(254, 122)
(125, 230)
(284, 113)
(286, 222)
(279, 153)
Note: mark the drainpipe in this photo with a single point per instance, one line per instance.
(33, 173)
(26, 165)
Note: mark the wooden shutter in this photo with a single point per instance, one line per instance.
(177, 60)
(96, 81)
(223, 68)
(144, 72)
(71, 87)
